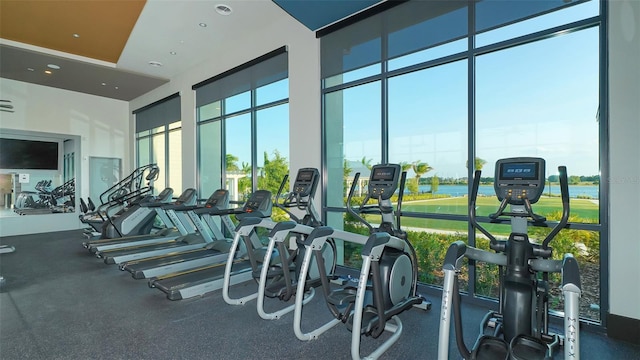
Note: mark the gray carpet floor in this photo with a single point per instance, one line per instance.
(59, 302)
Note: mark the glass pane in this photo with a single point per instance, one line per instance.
(585, 247)
(209, 158)
(103, 174)
(238, 156)
(443, 50)
(175, 125)
(144, 157)
(237, 102)
(353, 75)
(278, 90)
(431, 239)
(556, 18)
(158, 129)
(495, 13)
(272, 147)
(209, 111)
(425, 24)
(175, 160)
(550, 111)
(353, 137)
(355, 47)
(432, 151)
(158, 157)
(143, 133)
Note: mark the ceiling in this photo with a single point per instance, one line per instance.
(123, 49)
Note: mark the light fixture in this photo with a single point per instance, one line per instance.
(173, 53)
(30, 69)
(115, 87)
(103, 84)
(53, 66)
(202, 25)
(48, 72)
(223, 9)
(155, 63)
(76, 35)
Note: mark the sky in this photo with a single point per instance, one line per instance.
(539, 99)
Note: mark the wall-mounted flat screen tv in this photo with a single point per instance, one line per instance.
(28, 154)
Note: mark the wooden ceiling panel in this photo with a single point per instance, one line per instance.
(103, 26)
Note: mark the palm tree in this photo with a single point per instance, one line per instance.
(366, 162)
(405, 166)
(246, 168)
(420, 168)
(411, 185)
(231, 162)
(478, 163)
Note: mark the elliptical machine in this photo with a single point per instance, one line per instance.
(387, 285)
(277, 279)
(280, 280)
(521, 324)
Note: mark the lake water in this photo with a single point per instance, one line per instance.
(487, 190)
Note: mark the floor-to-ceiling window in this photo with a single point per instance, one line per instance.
(243, 127)
(159, 141)
(445, 88)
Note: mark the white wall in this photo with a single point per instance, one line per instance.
(624, 157)
(100, 123)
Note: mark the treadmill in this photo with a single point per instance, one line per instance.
(153, 245)
(215, 250)
(198, 281)
(152, 205)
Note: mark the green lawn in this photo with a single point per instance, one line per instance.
(585, 209)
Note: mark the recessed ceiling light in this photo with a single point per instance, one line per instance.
(30, 69)
(202, 25)
(116, 87)
(223, 9)
(103, 84)
(53, 66)
(173, 53)
(48, 72)
(76, 35)
(155, 63)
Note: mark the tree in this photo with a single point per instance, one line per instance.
(420, 168)
(574, 179)
(273, 172)
(410, 185)
(434, 184)
(478, 163)
(346, 172)
(405, 166)
(366, 162)
(231, 162)
(245, 183)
